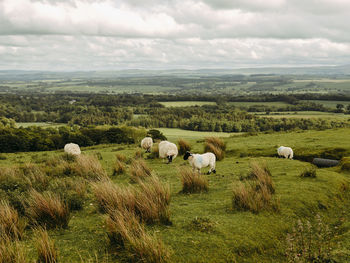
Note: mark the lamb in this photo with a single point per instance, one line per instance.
(167, 150)
(147, 144)
(72, 148)
(198, 161)
(285, 152)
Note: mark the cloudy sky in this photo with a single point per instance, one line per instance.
(164, 34)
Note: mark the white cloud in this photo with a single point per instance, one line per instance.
(106, 34)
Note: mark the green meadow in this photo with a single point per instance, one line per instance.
(230, 235)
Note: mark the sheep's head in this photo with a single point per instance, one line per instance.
(187, 154)
(170, 158)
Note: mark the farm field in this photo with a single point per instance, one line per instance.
(304, 114)
(39, 124)
(331, 103)
(186, 103)
(230, 235)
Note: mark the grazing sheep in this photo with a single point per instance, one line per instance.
(167, 150)
(147, 144)
(285, 152)
(198, 161)
(72, 148)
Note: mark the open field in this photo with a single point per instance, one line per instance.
(305, 115)
(331, 103)
(253, 103)
(186, 103)
(39, 124)
(175, 134)
(234, 236)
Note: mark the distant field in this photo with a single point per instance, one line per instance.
(331, 103)
(253, 103)
(186, 103)
(40, 124)
(175, 134)
(305, 114)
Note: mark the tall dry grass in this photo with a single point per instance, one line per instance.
(11, 252)
(47, 210)
(120, 157)
(139, 170)
(11, 226)
(89, 167)
(184, 146)
(193, 182)
(125, 230)
(149, 200)
(216, 146)
(47, 252)
(154, 152)
(256, 193)
(119, 168)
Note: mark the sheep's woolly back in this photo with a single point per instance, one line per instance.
(167, 149)
(72, 148)
(286, 152)
(199, 161)
(147, 143)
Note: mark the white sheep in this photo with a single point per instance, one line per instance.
(167, 150)
(72, 148)
(285, 152)
(147, 144)
(198, 161)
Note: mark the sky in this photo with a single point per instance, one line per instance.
(74, 35)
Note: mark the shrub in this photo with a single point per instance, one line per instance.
(256, 193)
(193, 182)
(154, 152)
(156, 135)
(184, 146)
(10, 224)
(47, 252)
(119, 168)
(89, 167)
(11, 252)
(139, 170)
(309, 172)
(310, 242)
(216, 146)
(125, 230)
(47, 210)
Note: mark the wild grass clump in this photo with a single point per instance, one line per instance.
(36, 176)
(125, 231)
(139, 170)
(11, 252)
(11, 226)
(149, 200)
(120, 157)
(47, 252)
(154, 152)
(256, 193)
(310, 242)
(138, 154)
(89, 167)
(193, 182)
(184, 146)
(309, 172)
(47, 210)
(202, 224)
(345, 164)
(119, 168)
(216, 146)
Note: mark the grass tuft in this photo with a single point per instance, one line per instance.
(202, 224)
(88, 166)
(309, 172)
(193, 182)
(10, 224)
(184, 146)
(119, 168)
(47, 210)
(139, 170)
(216, 146)
(47, 252)
(154, 152)
(11, 252)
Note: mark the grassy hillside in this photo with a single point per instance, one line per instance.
(205, 227)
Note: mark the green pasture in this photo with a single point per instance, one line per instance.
(331, 103)
(304, 115)
(175, 134)
(236, 236)
(186, 103)
(40, 124)
(253, 103)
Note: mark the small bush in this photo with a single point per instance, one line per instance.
(156, 135)
(89, 167)
(119, 168)
(256, 193)
(216, 146)
(184, 146)
(154, 152)
(309, 172)
(193, 182)
(125, 230)
(202, 224)
(310, 242)
(10, 224)
(11, 252)
(47, 252)
(139, 170)
(47, 210)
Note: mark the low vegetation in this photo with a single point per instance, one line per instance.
(310, 172)
(216, 146)
(184, 146)
(47, 252)
(193, 182)
(11, 226)
(139, 170)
